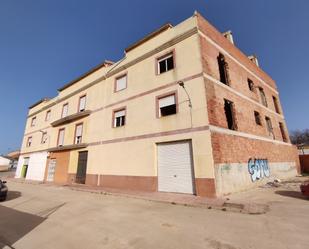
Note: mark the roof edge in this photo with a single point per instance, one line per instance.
(38, 102)
(106, 63)
(149, 36)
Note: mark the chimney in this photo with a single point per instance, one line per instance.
(228, 35)
(107, 63)
(254, 59)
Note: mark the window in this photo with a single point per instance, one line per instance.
(29, 141)
(167, 105)
(44, 138)
(119, 118)
(60, 137)
(33, 121)
(251, 85)
(284, 138)
(230, 114)
(269, 127)
(47, 117)
(78, 133)
(82, 104)
(257, 117)
(223, 69)
(65, 110)
(165, 63)
(276, 104)
(263, 96)
(121, 83)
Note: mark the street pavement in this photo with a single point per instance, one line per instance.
(41, 216)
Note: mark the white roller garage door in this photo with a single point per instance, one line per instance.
(175, 167)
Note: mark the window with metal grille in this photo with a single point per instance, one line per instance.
(223, 69)
(78, 133)
(167, 105)
(119, 118)
(257, 117)
(229, 110)
(166, 63)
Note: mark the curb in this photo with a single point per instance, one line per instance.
(244, 208)
(222, 204)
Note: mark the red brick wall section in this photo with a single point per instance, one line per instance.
(235, 149)
(216, 94)
(304, 163)
(244, 112)
(216, 36)
(238, 76)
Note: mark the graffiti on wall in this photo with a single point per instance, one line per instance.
(258, 168)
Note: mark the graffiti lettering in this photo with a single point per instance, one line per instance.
(258, 168)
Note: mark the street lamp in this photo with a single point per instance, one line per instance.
(182, 84)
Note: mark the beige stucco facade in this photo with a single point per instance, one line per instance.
(127, 156)
(131, 150)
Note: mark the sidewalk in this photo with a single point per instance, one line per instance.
(221, 203)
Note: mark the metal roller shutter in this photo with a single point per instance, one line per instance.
(175, 167)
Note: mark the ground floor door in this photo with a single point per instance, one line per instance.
(51, 170)
(175, 167)
(82, 167)
(24, 168)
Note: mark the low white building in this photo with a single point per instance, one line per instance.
(4, 163)
(32, 167)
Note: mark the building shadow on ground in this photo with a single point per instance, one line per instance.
(15, 224)
(293, 194)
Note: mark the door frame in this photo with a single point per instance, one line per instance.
(191, 159)
(24, 166)
(51, 159)
(77, 166)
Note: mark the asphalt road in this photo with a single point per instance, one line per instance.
(49, 217)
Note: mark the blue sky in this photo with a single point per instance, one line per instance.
(46, 43)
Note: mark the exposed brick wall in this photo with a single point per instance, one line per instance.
(235, 149)
(230, 148)
(215, 35)
(244, 112)
(238, 82)
(238, 76)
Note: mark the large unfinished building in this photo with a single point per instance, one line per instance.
(184, 111)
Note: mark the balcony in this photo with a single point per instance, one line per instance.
(68, 147)
(71, 118)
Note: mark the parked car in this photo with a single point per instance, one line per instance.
(305, 188)
(3, 190)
